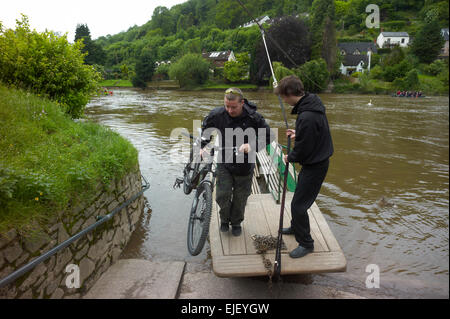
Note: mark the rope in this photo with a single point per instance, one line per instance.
(278, 47)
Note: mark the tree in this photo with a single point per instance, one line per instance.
(162, 19)
(191, 69)
(429, 41)
(95, 53)
(235, 71)
(314, 75)
(47, 64)
(293, 37)
(145, 66)
(322, 25)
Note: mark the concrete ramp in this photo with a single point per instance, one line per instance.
(138, 279)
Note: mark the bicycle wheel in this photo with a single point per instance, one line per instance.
(199, 219)
(190, 171)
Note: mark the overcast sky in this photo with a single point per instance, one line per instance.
(102, 17)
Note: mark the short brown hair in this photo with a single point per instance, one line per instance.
(233, 93)
(290, 85)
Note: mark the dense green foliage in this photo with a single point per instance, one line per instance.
(48, 160)
(428, 42)
(47, 64)
(94, 52)
(145, 67)
(235, 71)
(190, 70)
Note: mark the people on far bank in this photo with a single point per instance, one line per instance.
(408, 93)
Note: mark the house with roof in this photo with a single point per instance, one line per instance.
(218, 58)
(261, 20)
(444, 50)
(353, 63)
(357, 48)
(356, 56)
(390, 39)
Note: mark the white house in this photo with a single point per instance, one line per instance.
(260, 20)
(389, 39)
(218, 58)
(353, 63)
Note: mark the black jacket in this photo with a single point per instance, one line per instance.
(313, 143)
(218, 118)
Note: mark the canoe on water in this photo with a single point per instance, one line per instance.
(237, 256)
(412, 97)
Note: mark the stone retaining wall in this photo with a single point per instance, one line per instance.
(92, 253)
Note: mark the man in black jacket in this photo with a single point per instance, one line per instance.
(245, 130)
(312, 149)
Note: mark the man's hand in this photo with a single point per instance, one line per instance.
(285, 158)
(202, 152)
(290, 133)
(245, 148)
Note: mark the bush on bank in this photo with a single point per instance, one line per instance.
(47, 64)
(48, 161)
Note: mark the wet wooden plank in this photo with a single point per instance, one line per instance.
(251, 265)
(325, 229)
(214, 237)
(316, 234)
(255, 223)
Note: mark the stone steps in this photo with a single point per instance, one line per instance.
(139, 279)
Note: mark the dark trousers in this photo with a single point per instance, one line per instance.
(310, 180)
(232, 192)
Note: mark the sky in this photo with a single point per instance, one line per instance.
(103, 17)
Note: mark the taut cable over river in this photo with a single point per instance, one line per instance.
(386, 195)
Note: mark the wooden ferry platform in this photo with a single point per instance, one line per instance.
(237, 257)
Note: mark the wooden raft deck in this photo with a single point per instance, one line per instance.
(236, 256)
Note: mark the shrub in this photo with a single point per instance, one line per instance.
(235, 71)
(376, 73)
(191, 69)
(435, 68)
(47, 64)
(391, 73)
(314, 75)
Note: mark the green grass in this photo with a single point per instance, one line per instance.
(48, 161)
(120, 83)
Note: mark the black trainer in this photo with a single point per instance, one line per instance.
(236, 230)
(224, 227)
(300, 251)
(287, 231)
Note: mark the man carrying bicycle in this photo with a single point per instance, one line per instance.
(240, 127)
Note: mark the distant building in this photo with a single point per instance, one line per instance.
(353, 63)
(261, 20)
(356, 56)
(158, 63)
(218, 58)
(390, 39)
(357, 48)
(444, 51)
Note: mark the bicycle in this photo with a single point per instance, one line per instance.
(200, 176)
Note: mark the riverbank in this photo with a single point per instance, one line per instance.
(375, 87)
(49, 162)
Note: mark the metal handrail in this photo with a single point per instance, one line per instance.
(101, 219)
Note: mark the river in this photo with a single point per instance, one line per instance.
(386, 195)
